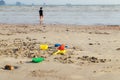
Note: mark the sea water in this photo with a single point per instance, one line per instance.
(80, 15)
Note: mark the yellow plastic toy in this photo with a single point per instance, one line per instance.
(60, 52)
(43, 46)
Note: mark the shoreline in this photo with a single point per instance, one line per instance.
(60, 24)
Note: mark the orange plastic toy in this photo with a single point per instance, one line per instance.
(62, 47)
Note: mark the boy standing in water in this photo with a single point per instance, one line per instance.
(41, 15)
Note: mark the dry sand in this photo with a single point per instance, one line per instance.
(93, 52)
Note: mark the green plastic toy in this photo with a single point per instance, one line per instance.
(37, 60)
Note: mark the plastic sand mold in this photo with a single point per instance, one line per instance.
(57, 45)
(60, 52)
(37, 60)
(44, 47)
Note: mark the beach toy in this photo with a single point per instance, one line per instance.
(44, 47)
(62, 47)
(57, 45)
(37, 60)
(60, 52)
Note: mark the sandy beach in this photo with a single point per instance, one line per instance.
(92, 52)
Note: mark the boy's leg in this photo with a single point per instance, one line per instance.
(41, 19)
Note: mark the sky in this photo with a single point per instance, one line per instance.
(64, 1)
